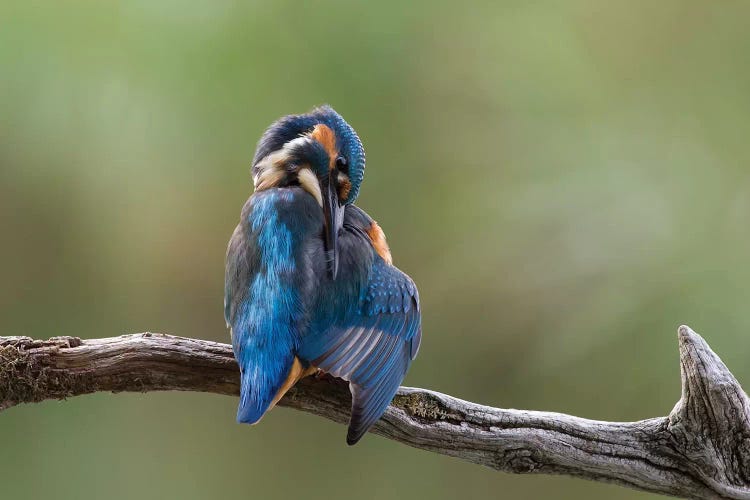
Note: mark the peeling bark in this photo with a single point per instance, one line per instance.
(700, 450)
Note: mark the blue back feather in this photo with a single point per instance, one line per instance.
(265, 304)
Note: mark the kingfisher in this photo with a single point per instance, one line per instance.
(310, 285)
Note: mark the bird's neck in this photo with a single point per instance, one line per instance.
(282, 218)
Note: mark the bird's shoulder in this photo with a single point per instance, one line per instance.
(358, 221)
(381, 287)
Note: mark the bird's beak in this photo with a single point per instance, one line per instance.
(333, 213)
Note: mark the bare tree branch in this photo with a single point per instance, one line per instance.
(700, 450)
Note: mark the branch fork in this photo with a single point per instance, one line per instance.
(700, 450)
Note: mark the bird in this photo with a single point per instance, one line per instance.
(310, 285)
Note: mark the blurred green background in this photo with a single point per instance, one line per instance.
(567, 182)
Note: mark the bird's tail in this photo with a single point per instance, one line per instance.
(253, 402)
(259, 392)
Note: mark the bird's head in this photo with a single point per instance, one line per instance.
(319, 152)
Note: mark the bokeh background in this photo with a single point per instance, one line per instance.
(567, 182)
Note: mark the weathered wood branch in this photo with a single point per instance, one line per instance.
(700, 450)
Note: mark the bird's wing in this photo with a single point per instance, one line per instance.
(372, 345)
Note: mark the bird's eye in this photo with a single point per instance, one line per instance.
(341, 163)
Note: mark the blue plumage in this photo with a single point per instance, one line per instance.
(372, 333)
(265, 324)
(309, 283)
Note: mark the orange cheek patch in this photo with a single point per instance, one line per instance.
(377, 236)
(327, 138)
(344, 187)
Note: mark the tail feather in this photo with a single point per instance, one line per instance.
(259, 385)
(256, 403)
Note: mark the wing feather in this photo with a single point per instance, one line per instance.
(373, 346)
